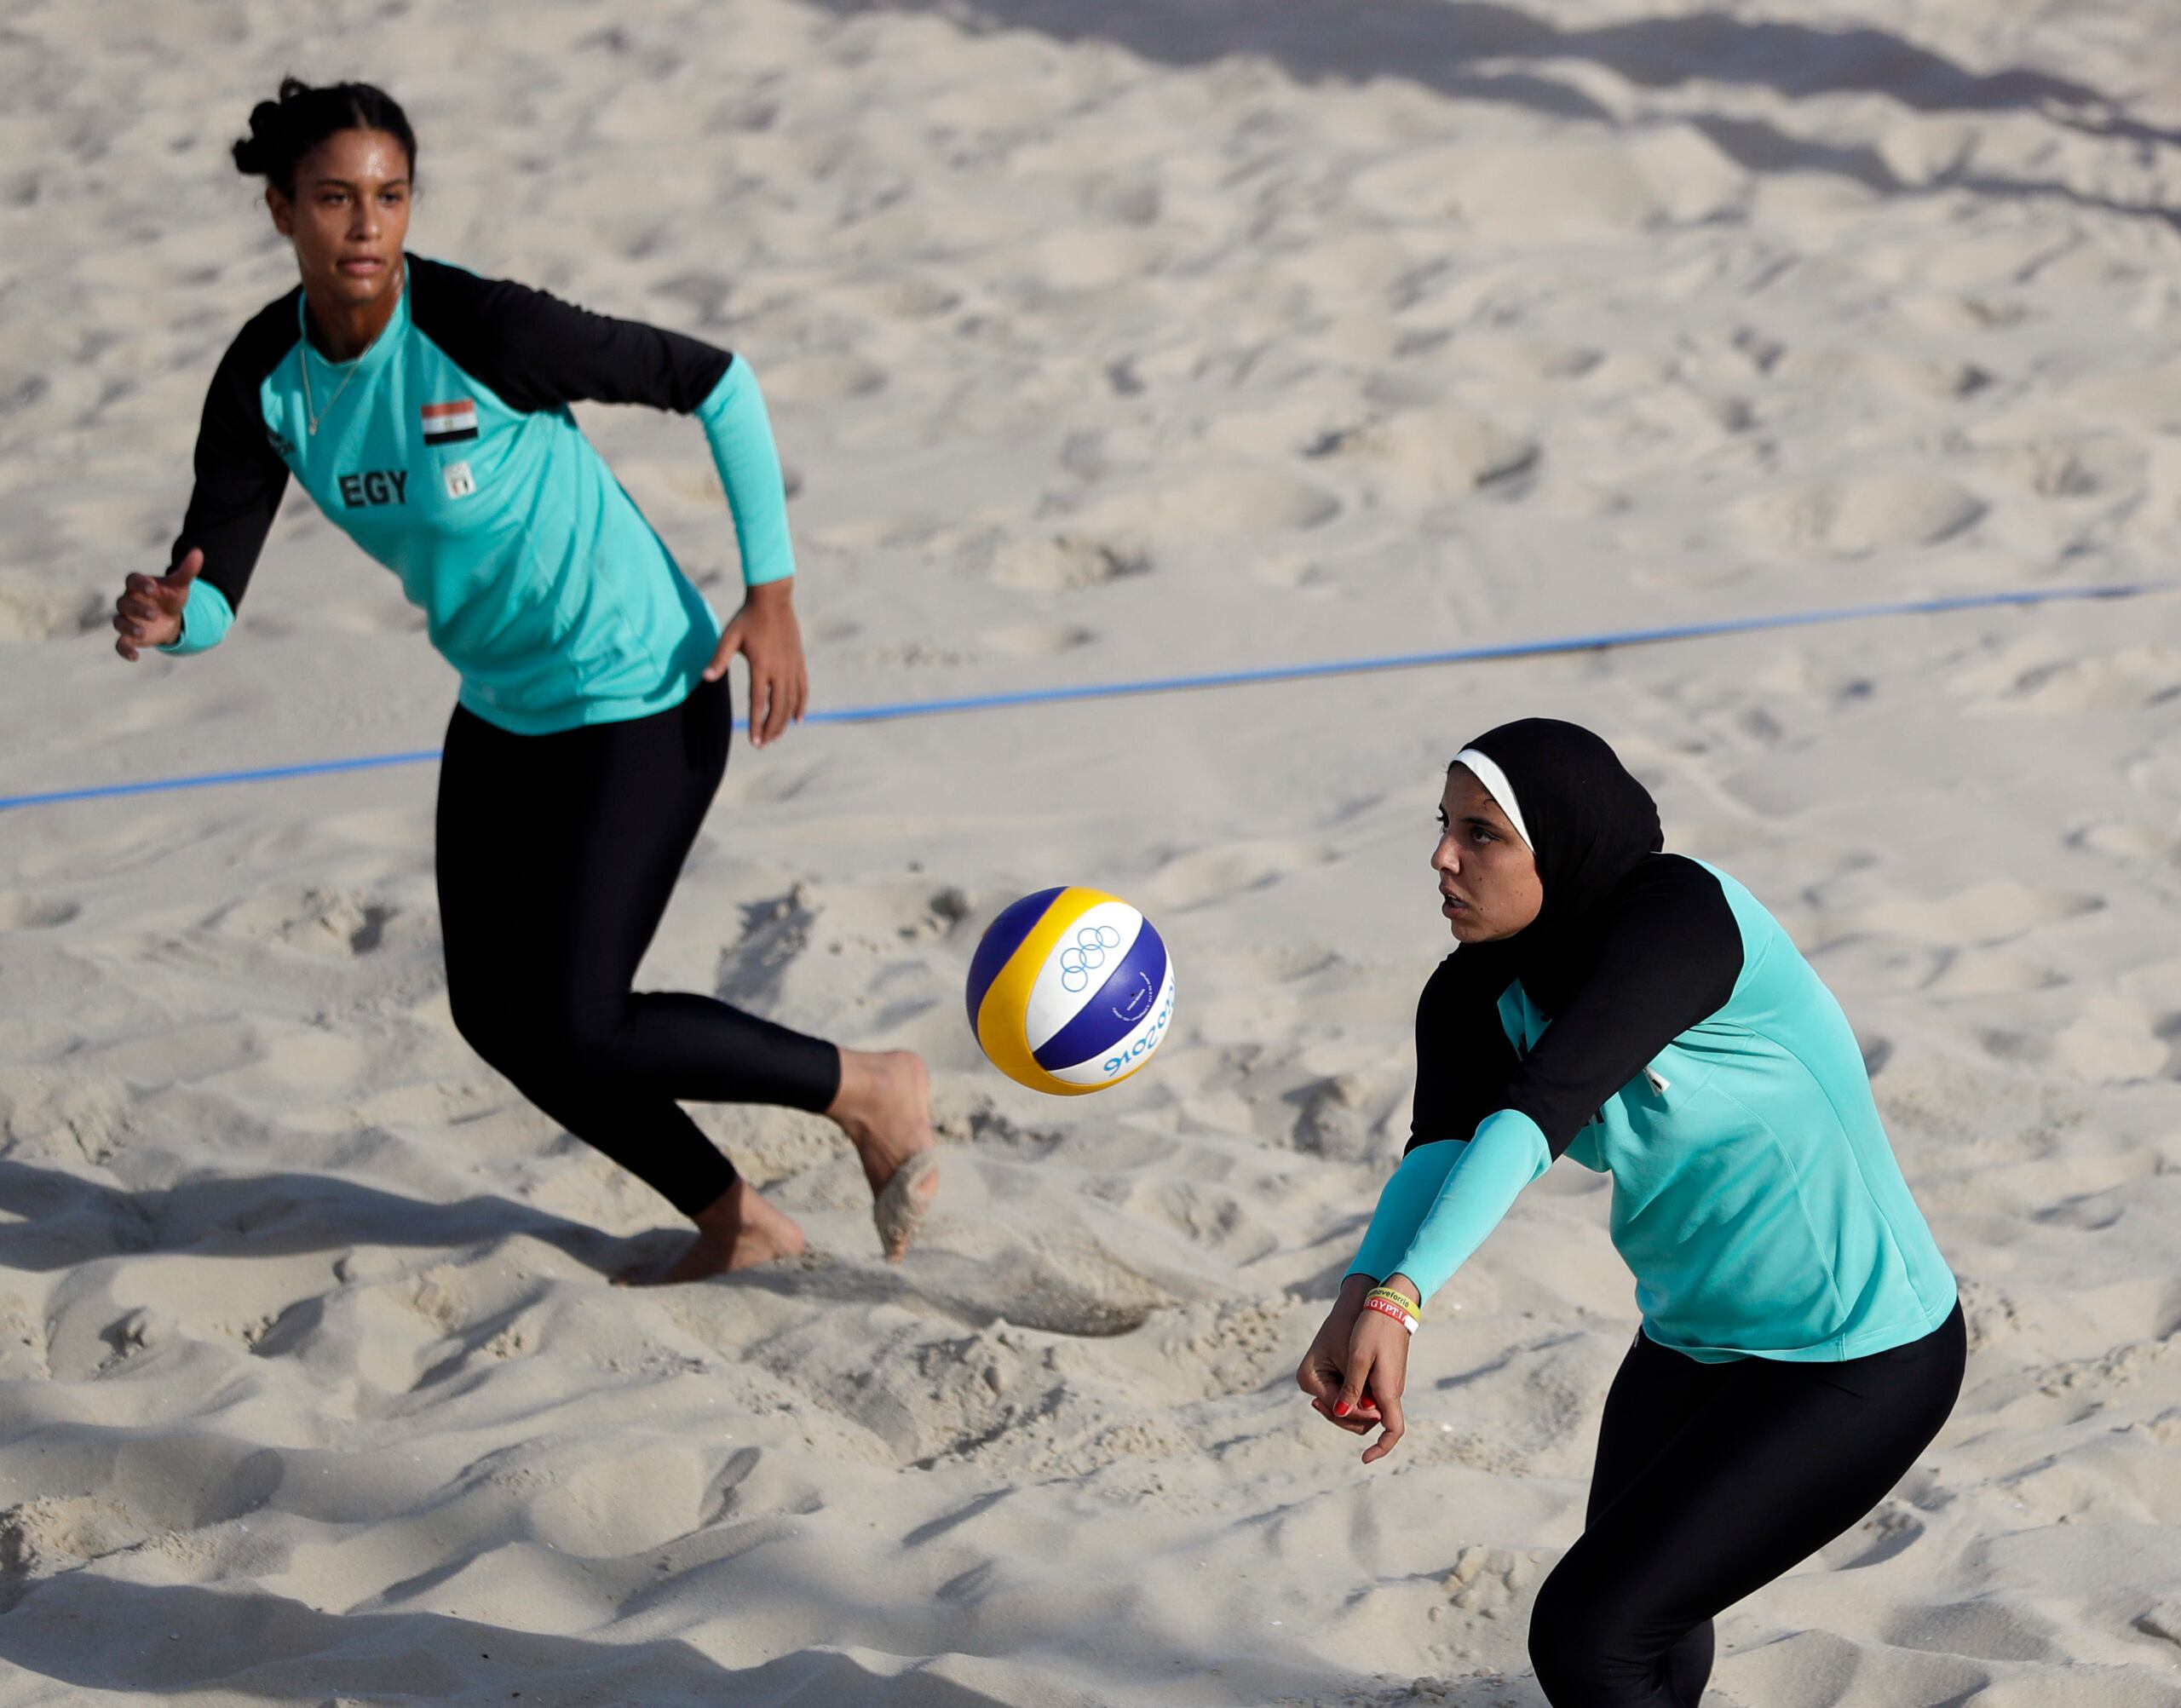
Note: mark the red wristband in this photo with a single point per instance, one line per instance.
(1387, 1307)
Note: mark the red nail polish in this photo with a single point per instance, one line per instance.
(1341, 1410)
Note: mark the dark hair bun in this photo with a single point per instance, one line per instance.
(257, 154)
(282, 131)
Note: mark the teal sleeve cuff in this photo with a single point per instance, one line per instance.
(1508, 1153)
(749, 463)
(205, 620)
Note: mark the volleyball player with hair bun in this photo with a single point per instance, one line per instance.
(425, 411)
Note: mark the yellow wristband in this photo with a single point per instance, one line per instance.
(1398, 1298)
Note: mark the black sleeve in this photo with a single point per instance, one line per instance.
(537, 352)
(1463, 1057)
(1669, 954)
(239, 477)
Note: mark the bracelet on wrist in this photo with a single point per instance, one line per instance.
(1399, 1297)
(1387, 1307)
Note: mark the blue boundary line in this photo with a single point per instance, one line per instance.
(1221, 679)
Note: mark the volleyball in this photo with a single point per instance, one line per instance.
(1070, 990)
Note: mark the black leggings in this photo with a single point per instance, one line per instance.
(556, 856)
(1712, 1479)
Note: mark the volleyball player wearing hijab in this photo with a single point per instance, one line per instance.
(1642, 1014)
(425, 411)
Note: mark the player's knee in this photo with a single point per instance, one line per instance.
(1584, 1656)
(580, 1043)
(1557, 1642)
(532, 1039)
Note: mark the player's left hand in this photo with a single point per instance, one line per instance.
(765, 632)
(1378, 1370)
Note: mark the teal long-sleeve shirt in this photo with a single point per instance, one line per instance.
(447, 452)
(1707, 1068)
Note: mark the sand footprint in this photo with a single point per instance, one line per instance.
(1987, 1629)
(935, 1399)
(1889, 1533)
(1342, 1118)
(1039, 640)
(1532, 192)
(1221, 870)
(644, 1495)
(135, 845)
(1217, 501)
(2072, 468)
(1930, 378)
(319, 922)
(1988, 913)
(1237, 1346)
(82, 1115)
(22, 912)
(22, 1341)
(1214, 1220)
(1079, 1293)
(2130, 841)
(31, 611)
(1849, 516)
(704, 295)
(1423, 455)
(1130, 198)
(903, 297)
(1093, 257)
(1492, 1583)
(775, 934)
(2027, 678)
(1066, 563)
(55, 1533)
(2113, 1038)
(821, 379)
(1976, 972)
(983, 1125)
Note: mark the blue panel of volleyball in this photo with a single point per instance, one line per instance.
(1070, 990)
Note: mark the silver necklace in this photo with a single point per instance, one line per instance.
(317, 415)
(310, 410)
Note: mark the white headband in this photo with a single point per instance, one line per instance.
(1487, 772)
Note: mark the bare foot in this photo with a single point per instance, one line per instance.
(738, 1231)
(884, 1106)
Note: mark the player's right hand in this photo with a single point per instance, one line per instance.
(148, 613)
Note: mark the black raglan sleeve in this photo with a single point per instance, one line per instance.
(536, 352)
(239, 477)
(1670, 954)
(1463, 1057)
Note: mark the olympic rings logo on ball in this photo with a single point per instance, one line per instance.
(1086, 955)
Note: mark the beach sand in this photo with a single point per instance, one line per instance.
(1103, 341)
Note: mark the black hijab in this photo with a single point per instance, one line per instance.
(1589, 822)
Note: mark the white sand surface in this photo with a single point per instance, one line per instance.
(1104, 338)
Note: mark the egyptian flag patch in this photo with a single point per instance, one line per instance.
(446, 423)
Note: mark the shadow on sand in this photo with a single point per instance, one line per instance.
(89, 1631)
(66, 1221)
(1473, 50)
